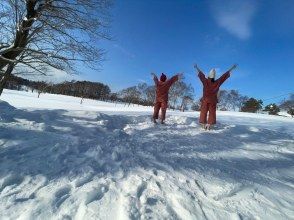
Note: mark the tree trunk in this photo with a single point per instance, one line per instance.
(5, 77)
(21, 37)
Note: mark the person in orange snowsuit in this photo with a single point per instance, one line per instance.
(209, 99)
(162, 88)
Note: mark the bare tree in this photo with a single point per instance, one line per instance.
(150, 94)
(142, 87)
(196, 106)
(288, 105)
(223, 100)
(130, 95)
(230, 99)
(178, 91)
(39, 34)
(185, 102)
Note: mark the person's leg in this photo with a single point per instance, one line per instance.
(156, 111)
(203, 113)
(212, 113)
(163, 111)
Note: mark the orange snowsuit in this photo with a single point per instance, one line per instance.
(162, 89)
(209, 98)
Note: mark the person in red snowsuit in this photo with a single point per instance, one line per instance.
(209, 99)
(162, 88)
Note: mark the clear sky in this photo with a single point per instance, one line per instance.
(169, 36)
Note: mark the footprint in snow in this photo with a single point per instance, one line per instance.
(96, 194)
(141, 189)
(158, 184)
(66, 217)
(60, 196)
(230, 193)
(32, 196)
(151, 201)
(11, 180)
(83, 180)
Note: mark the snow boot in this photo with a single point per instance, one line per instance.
(208, 127)
(203, 126)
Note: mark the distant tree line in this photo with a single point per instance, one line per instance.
(180, 96)
(83, 89)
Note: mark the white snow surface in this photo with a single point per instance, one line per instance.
(64, 160)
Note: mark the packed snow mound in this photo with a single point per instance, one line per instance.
(6, 111)
(5, 107)
(93, 164)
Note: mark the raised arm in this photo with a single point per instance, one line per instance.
(155, 79)
(223, 78)
(226, 75)
(175, 78)
(200, 74)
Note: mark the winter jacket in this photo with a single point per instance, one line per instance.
(210, 89)
(162, 88)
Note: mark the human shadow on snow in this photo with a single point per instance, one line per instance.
(53, 144)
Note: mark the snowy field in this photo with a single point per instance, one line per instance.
(64, 160)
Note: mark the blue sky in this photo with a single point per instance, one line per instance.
(169, 36)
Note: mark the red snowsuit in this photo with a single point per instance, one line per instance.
(162, 89)
(209, 99)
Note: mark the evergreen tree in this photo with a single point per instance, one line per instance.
(291, 112)
(272, 109)
(252, 105)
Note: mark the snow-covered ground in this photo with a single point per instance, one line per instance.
(64, 160)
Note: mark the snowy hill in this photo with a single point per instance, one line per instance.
(98, 160)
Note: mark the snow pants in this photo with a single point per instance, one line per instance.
(205, 108)
(157, 107)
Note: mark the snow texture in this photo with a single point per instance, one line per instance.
(98, 160)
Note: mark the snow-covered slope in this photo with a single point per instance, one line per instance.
(63, 160)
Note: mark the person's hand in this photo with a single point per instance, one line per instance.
(153, 74)
(180, 75)
(197, 68)
(233, 67)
